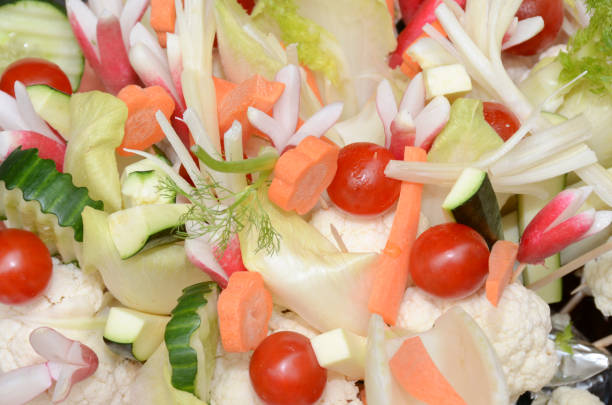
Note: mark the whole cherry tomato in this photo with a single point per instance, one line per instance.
(503, 121)
(25, 266)
(449, 260)
(31, 71)
(551, 12)
(284, 370)
(360, 185)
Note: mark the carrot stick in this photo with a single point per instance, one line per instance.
(141, 127)
(303, 173)
(244, 309)
(391, 273)
(163, 15)
(501, 267)
(415, 371)
(254, 92)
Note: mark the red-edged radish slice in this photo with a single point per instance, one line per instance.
(10, 118)
(29, 115)
(132, 12)
(47, 148)
(83, 22)
(23, 384)
(319, 123)
(269, 126)
(55, 347)
(386, 107)
(430, 121)
(175, 63)
(413, 100)
(525, 30)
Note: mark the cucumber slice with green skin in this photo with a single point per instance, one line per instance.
(143, 188)
(145, 226)
(472, 202)
(53, 106)
(39, 180)
(35, 28)
(134, 334)
(528, 207)
(193, 323)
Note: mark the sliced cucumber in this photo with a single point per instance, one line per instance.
(53, 106)
(134, 334)
(145, 226)
(472, 202)
(34, 28)
(39, 180)
(528, 207)
(193, 323)
(140, 185)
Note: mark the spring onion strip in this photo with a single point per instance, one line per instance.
(420, 172)
(232, 141)
(179, 148)
(489, 158)
(540, 146)
(529, 189)
(600, 179)
(160, 164)
(572, 159)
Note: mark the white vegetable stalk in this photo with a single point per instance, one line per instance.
(599, 178)
(232, 142)
(162, 165)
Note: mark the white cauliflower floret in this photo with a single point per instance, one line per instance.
(598, 277)
(359, 234)
(71, 297)
(232, 383)
(573, 396)
(517, 329)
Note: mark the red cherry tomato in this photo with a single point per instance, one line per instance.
(284, 370)
(25, 266)
(551, 12)
(503, 121)
(31, 71)
(360, 185)
(449, 260)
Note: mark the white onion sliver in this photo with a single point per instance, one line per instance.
(600, 179)
(525, 30)
(29, 115)
(269, 126)
(287, 108)
(21, 385)
(319, 123)
(386, 108)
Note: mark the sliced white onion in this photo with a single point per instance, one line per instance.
(21, 385)
(319, 123)
(286, 109)
(413, 100)
(599, 178)
(431, 120)
(132, 13)
(386, 108)
(525, 30)
(29, 115)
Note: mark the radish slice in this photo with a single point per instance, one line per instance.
(151, 70)
(47, 148)
(21, 385)
(55, 347)
(10, 118)
(319, 123)
(139, 34)
(175, 63)
(386, 107)
(130, 15)
(200, 253)
(413, 100)
(601, 221)
(269, 126)
(286, 109)
(569, 201)
(84, 23)
(525, 30)
(29, 115)
(430, 121)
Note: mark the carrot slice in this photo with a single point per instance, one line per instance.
(501, 267)
(141, 127)
(222, 88)
(415, 371)
(163, 15)
(161, 38)
(303, 173)
(244, 309)
(254, 92)
(391, 273)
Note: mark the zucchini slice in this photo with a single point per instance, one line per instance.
(472, 202)
(53, 106)
(193, 323)
(35, 28)
(38, 180)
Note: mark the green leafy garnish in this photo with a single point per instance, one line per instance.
(563, 339)
(312, 39)
(590, 49)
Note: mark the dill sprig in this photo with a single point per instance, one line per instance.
(222, 217)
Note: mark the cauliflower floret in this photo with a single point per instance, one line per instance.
(518, 330)
(573, 396)
(232, 384)
(359, 234)
(71, 294)
(598, 277)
